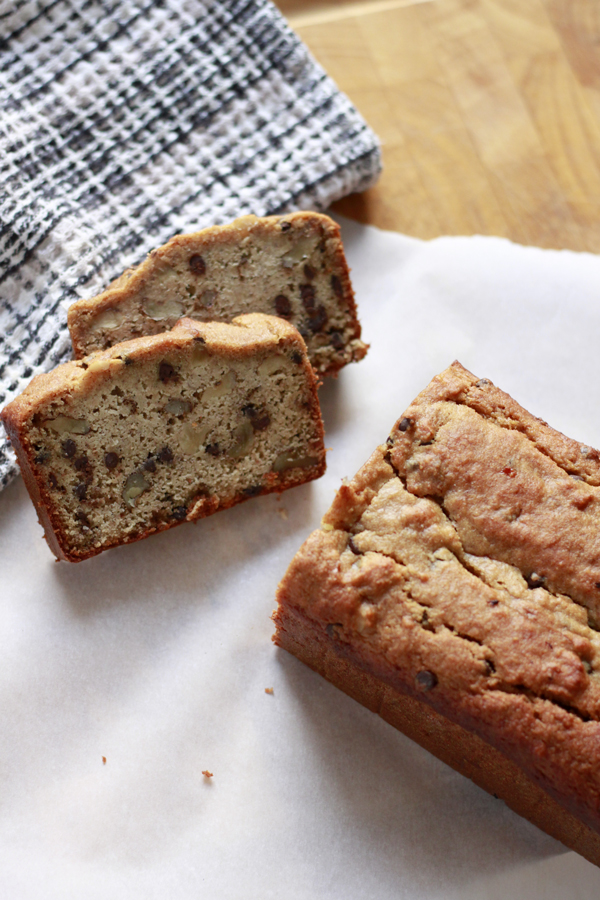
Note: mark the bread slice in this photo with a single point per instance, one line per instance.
(291, 266)
(164, 429)
(454, 588)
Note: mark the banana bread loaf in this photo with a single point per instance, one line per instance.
(291, 266)
(454, 588)
(163, 429)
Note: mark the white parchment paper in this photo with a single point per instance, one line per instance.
(156, 656)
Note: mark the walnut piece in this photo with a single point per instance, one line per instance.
(162, 309)
(221, 388)
(135, 485)
(66, 425)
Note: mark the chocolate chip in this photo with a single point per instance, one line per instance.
(404, 424)
(127, 360)
(81, 517)
(261, 422)
(111, 460)
(330, 629)
(82, 463)
(150, 465)
(309, 272)
(179, 513)
(197, 264)
(425, 623)
(53, 481)
(390, 441)
(69, 448)
(253, 491)
(597, 585)
(337, 341)
(535, 581)
(165, 455)
(285, 226)
(336, 286)
(307, 292)
(426, 680)
(283, 307)
(198, 339)
(317, 319)
(166, 372)
(212, 449)
(296, 357)
(493, 602)
(80, 491)
(482, 382)
(590, 453)
(352, 546)
(258, 418)
(42, 457)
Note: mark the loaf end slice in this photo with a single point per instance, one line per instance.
(291, 266)
(165, 429)
(453, 588)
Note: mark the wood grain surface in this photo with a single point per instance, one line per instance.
(488, 112)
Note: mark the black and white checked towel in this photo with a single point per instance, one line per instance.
(124, 122)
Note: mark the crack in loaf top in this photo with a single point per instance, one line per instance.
(516, 490)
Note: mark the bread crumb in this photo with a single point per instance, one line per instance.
(283, 513)
(207, 774)
(103, 760)
(269, 691)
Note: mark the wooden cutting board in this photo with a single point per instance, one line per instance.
(488, 112)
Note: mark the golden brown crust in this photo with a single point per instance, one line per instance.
(89, 442)
(240, 269)
(459, 748)
(459, 568)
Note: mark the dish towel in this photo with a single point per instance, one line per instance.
(124, 122)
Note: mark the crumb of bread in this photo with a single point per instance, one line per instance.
(269, 691)
(103, 760)
(207, 774)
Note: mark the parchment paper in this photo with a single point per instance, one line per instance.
(156, 656)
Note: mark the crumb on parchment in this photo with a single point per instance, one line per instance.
(269, 691)
(206, 773)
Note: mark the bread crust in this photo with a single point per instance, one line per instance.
(458, 569)
(165, 283)
(459, 748)
(75, 381)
